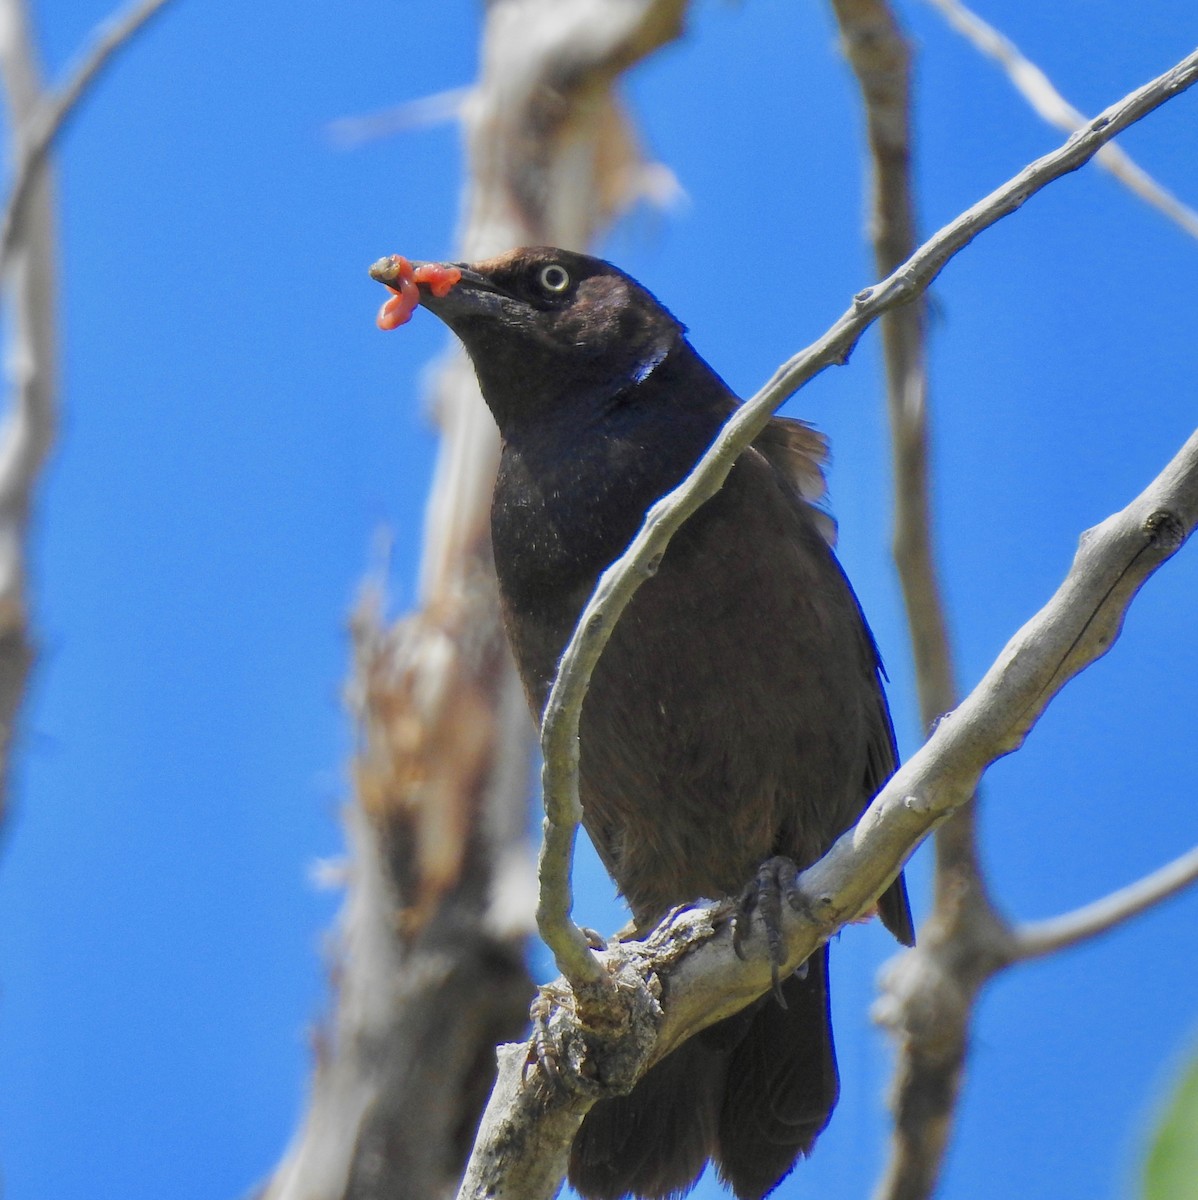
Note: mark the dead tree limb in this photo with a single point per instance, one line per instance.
(956, 944)
(36, 116)
(430, 972)
(1038, 90)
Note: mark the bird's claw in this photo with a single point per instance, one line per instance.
(545, 1050)
(557, 1045)
(773, 883)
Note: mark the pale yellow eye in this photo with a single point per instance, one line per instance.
(554, 278)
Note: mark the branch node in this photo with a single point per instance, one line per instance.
(1166, 530)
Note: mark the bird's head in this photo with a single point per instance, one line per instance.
(547, 330)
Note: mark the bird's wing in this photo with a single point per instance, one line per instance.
(799, 451)
(893, 905)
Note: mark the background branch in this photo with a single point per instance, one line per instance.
(43, 114)
(1035, 939)
(881, 60)
(959, 939)
(27, 270)
(1037, 89)
(430, 963)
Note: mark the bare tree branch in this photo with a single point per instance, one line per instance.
(964, 926)
(441, 898)
(881, 59)
(27, 272)
(346, 133)
(44, 118)
(1038, 90)
(1035, 939)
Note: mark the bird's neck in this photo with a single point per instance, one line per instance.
(574, 488)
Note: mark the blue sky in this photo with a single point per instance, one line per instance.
(236, 433)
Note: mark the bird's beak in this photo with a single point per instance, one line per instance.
(469, 294)
(473, 294)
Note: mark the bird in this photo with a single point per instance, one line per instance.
(737, 715)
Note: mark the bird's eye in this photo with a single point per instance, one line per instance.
(554, 278)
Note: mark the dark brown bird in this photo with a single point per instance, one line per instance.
(737, 712)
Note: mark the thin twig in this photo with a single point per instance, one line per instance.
(43, 123)
(1035, 939)
(27, 266)
(27, 272)
(881, 60)
(440, 108)
(559, 730)
(1037, 89)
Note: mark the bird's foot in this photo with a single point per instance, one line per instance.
(545, 1049)
(773, 883)
(558, 1045)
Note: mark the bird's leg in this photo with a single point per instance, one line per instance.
(773, 883)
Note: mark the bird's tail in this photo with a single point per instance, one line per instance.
(656, 1140)
(751, 1093)
(782, 1085)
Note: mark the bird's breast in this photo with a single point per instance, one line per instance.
(567, 505)
(724, 721)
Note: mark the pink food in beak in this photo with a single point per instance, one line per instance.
(398, 309)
